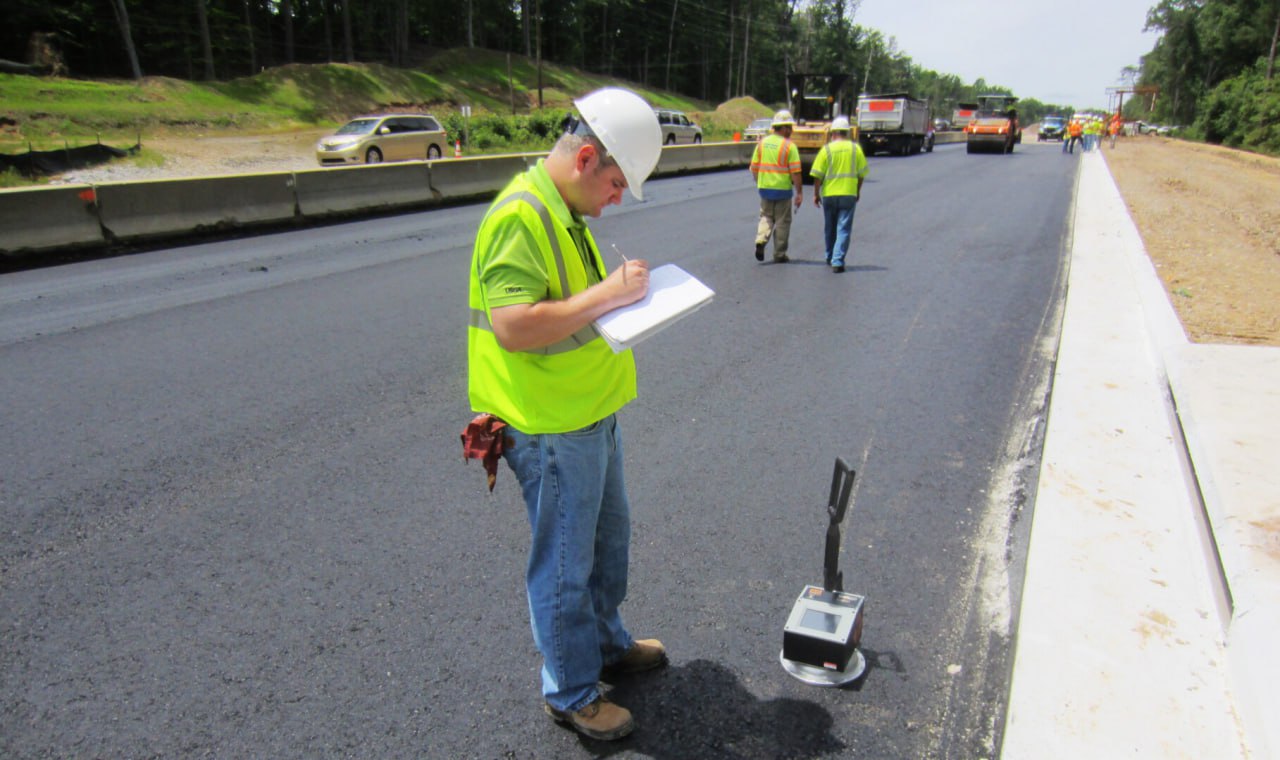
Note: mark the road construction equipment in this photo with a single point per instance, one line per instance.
(820, 639)
(815, 99)
(995, 126)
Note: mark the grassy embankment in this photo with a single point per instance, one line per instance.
(45, 113)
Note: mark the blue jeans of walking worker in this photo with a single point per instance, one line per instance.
(837, 213)
(577, 573)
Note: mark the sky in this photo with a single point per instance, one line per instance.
(1065, 52)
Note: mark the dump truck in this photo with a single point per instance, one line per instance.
(962, 115)
(994, 128)
(894, 123)
(814, 101)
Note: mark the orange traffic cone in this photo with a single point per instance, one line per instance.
(737, 137)
(457, 149)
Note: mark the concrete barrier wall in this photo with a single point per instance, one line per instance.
(321, 192)
(942, 138)
(477, 177)
(130, 210)
(676, 159)
(48, 217)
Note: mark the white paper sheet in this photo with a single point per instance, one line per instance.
(673, 294)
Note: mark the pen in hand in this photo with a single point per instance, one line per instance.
(624, 260)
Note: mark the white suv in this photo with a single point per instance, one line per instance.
(676, 128)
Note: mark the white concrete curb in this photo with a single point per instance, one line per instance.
(1119, 651)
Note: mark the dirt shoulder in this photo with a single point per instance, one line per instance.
(1210, 220)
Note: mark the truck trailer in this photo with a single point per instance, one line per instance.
(962, 115)
(894, 123)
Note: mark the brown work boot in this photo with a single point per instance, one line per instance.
(645, 654)
(601, 719)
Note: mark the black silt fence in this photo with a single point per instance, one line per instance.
(42, 163)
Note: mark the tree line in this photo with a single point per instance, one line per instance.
(710, 50)
(1213, 70)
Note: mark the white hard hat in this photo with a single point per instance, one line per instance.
(840, 124)
(628, 129)
(783, 119)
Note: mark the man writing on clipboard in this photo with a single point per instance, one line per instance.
(547, 389)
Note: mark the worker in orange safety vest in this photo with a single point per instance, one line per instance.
(1075, 131)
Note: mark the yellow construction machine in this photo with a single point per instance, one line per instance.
(815, 100)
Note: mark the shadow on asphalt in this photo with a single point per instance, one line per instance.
(701, 710)
(820, 263)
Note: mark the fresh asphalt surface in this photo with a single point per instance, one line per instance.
(237, 522)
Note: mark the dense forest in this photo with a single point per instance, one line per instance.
(711, 50)
(1213, 69)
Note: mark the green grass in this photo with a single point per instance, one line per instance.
(47, 113)
(11, 178)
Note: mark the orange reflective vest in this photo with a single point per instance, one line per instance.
(775, 159)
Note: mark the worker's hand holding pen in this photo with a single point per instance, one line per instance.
(632, 278)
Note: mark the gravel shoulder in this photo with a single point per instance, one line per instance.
(1209, 216)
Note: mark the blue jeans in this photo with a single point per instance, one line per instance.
(838, 210)
(577, 573)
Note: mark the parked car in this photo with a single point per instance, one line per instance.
(1051, 128)
(757, 129)
(941, 125)
(676, 128)
(384, 137)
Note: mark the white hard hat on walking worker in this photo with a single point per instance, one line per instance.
(840, 124)
(628, 129)
(783, 119)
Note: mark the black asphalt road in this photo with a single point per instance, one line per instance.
(237, 523)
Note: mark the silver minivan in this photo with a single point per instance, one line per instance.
(385, 137)
(676, 128)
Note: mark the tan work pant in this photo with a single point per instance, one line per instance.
(775, 220)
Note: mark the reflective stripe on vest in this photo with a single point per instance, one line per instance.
(774, 171)
(560, 388)
(840, 183)
(480, 318)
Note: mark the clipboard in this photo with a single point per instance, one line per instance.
(673, 294)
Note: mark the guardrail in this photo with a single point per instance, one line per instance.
(83, 216)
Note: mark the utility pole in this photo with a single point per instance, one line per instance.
(866, 74)
(537, 30)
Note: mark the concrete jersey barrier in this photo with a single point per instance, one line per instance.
(478, 177)
(677, 159)
(48, 217)
(134, 210)
(321, 192)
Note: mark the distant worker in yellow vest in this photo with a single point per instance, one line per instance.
(547, 388)
(776, 166)
(1093, 134)
(838, 172)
